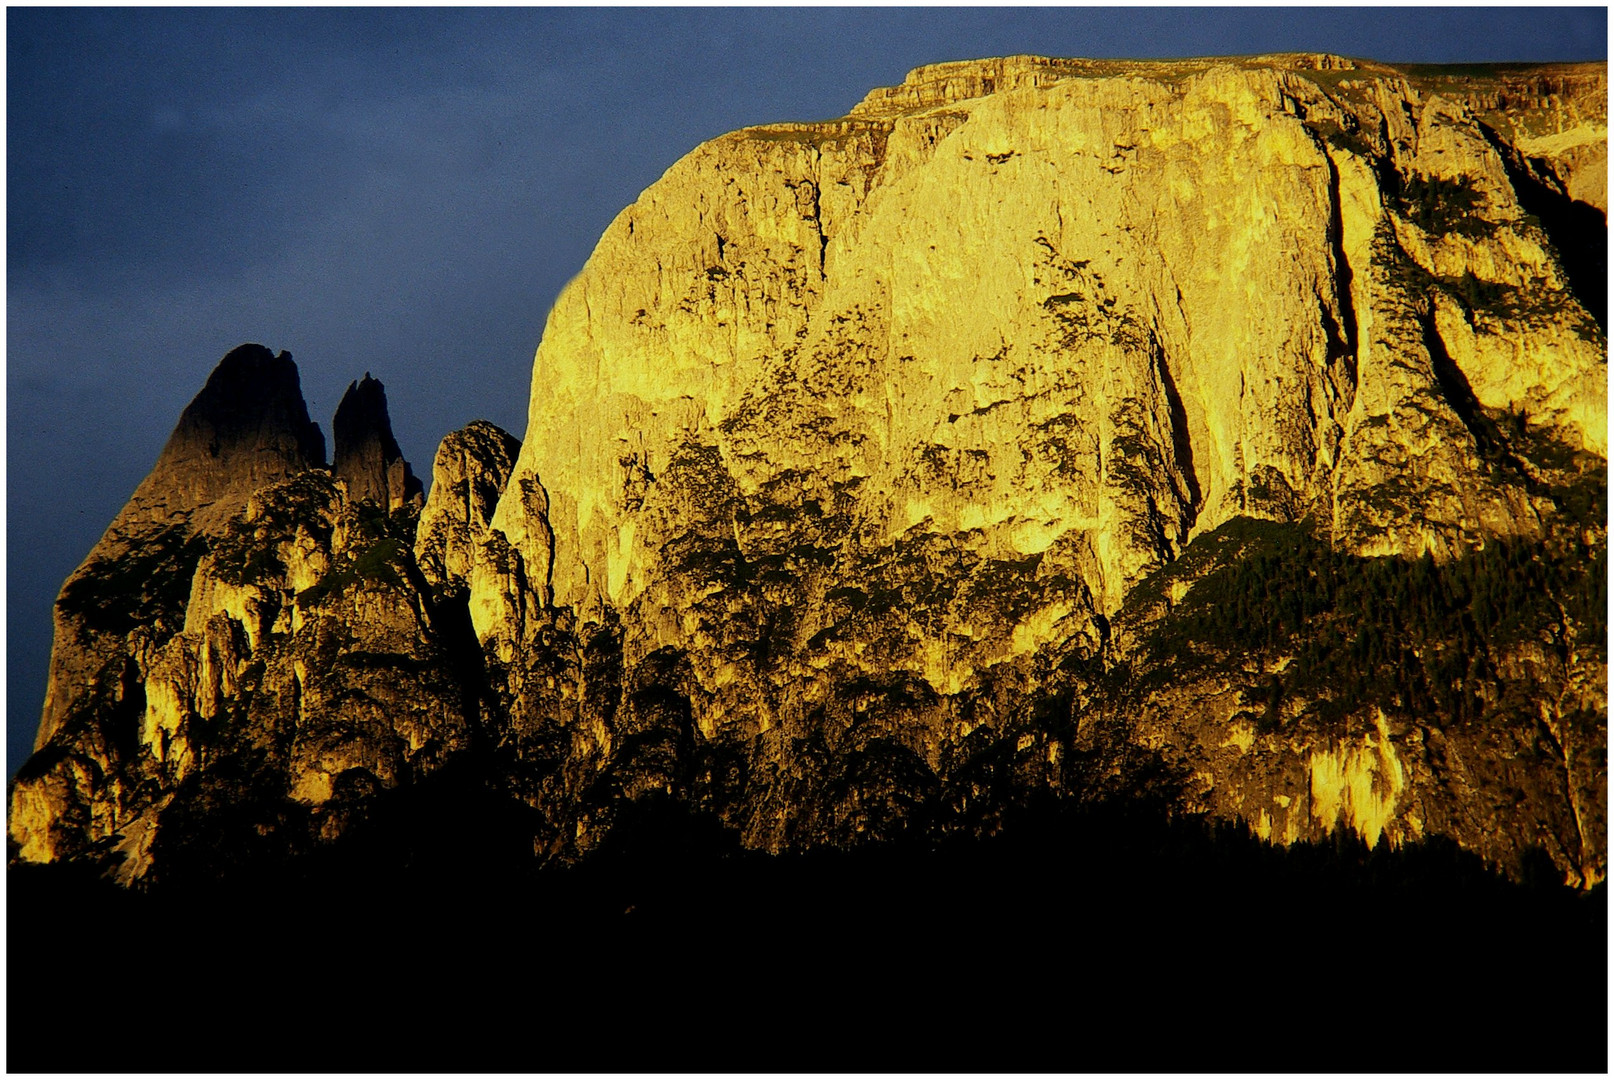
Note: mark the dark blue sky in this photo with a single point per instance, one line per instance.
(405, 192)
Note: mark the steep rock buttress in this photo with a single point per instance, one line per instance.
(850, 432)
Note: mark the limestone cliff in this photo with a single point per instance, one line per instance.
(1240, 277)
(850, 431)
(1230, 429)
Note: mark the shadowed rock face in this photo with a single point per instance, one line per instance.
(367, 456)
(1225, 431)
(248, 427)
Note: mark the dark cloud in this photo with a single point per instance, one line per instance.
(405, 192)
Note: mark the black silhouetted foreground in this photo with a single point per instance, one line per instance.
(1077, 940)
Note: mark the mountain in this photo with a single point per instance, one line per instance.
(868, 445)
(1146, 446)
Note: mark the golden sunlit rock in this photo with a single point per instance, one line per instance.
(1230, 432)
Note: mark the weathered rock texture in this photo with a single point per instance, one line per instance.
(270, 629)
(848, 432)
(248, 427)
(1230, 429)
(367, 456)
(470, 472)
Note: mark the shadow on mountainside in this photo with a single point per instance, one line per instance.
(1095, 938)
(1578, 230)
(1103, 931)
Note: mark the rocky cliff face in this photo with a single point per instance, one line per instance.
(367, 456)
(248, 427)
(250, 638)
(855, 429)
(1231, 428)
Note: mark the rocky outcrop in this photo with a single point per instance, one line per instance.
(468, 476)
(244, 617)
(367, 456)
(1252, 362)
(248, 427)
(1233, 430)
(1304, 690)
(1553, 116)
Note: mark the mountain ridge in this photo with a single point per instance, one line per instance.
(836, 536)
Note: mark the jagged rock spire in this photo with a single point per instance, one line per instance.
(247, 427)
(367, 456)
